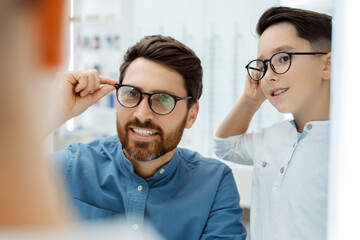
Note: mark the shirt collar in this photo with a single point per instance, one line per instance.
(318, 127)
(123, 159)
(167, 170)
(313, 127)
(162, 173)
(316, 124)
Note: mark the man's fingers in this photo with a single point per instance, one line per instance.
(86, 82)
(90, 85)
(107, 80)
(82, 83)
(97, 82)
(101, 92)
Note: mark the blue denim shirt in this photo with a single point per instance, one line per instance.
(191, 197)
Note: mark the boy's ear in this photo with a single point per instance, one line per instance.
(193, 112)
(326, 74)
(50, 19)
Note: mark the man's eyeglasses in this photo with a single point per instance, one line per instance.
(280, 63)
(160, 102)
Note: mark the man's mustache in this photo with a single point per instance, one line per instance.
(147, 124)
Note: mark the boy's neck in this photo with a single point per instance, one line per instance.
(316, 110)
(319, 115)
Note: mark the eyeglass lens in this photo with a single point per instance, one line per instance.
(160, 103)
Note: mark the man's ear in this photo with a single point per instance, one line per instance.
(193, 112)
(326, 74)
(50, 20)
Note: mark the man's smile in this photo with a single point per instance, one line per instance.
(143, 135)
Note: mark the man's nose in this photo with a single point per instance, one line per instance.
(143, 110)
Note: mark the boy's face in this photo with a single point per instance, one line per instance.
(301, 87)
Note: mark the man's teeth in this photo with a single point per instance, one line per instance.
(143, 132)
(277, 92)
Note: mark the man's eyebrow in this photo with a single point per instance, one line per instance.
(155, 90)
(164, 91)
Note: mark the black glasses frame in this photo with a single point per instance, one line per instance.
(176, 98)
(290, 54)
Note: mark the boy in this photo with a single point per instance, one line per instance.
(290, 158)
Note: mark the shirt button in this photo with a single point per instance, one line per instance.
(135, 227)
(139, 188)
(263, 164)
(309, 126)
(282, 170)
(162, 171)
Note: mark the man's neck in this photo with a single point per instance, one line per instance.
(147, 169)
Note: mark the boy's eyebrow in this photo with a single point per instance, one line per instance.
(282, 48)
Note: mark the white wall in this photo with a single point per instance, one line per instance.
(344, 194)
(325, 6)
(222, 33)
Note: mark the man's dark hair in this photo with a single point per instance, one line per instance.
(312, 26)
(171, 53)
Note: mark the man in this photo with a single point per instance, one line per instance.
(141, 173)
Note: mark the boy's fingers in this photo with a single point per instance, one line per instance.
(254, 83)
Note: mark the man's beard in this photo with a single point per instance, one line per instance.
(147, 151)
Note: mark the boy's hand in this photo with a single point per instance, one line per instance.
(253, 92)
(76, 91)
(238, 120)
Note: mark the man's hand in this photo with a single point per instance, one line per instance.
(75, 92)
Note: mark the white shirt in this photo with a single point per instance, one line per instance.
(290, 178)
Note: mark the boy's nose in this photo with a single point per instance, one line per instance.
(270, 75)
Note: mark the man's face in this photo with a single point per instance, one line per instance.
(301, 87)
(144, 134)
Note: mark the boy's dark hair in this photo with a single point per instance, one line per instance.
(312, 26)
(171, 53)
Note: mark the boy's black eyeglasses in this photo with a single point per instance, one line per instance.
(160, 102)
(280, 63)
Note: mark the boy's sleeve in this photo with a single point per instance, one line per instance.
(237, 149)
(224, 220)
